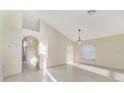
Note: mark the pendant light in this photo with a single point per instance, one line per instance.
(90, 12)
(79, 38)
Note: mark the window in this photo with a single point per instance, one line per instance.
(42, 48)
(88, 52)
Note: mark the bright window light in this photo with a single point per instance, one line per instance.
(33, 61)
(69, 55)
(42, 48)
(88, 52)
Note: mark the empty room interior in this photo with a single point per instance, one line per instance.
(61, 45)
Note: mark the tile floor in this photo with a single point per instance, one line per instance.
(63, 73)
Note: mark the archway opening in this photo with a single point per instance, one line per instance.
(30, 57)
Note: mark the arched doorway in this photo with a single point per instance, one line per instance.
(30, 57)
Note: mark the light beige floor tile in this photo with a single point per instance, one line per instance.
(64, 73)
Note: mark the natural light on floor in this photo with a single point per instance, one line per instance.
(96, 70)
(100, 71)
(46, 72)
(119, 76)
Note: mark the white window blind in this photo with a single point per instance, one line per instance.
(88, 52)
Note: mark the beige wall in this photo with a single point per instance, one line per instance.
(1, 37)
(109, 51)
(1, 45)
(57, 44)
(14, 33)
(13, 36)
(12, 42)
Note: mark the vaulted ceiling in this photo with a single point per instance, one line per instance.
(101, 23)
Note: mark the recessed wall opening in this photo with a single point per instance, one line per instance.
(30, 57)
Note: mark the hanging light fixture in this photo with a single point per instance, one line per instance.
(90, 12)
(79, 38)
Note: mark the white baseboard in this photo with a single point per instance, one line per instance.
(55, 65)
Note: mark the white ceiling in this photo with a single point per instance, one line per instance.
(101, 23)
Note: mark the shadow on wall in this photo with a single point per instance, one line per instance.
(110, 73)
